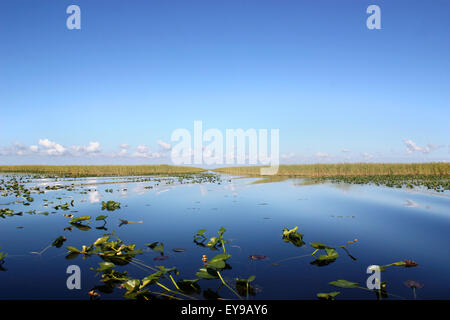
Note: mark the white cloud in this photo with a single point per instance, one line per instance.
(345, 150)
(92, 148)
(411, 147)
(142, 151)
(322, 155)
(124, 146)
(165, 146)
(366, 155)
(52, 148)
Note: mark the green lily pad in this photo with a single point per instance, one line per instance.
(327, 296)
(344, 284)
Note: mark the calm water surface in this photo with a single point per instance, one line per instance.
(390, 224)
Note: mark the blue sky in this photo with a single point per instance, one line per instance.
(114, 91)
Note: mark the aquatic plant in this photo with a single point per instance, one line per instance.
(2, 257)
(328, 296)
(110, 205)
(412, 284)
(293, 237)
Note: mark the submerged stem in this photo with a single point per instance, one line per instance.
(231, 289)
(173, 281)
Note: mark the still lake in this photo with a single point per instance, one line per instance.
(390, 224)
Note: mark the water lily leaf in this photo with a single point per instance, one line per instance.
(207, 274)
(201, 232)
(101, 218)
(110, 205)
(319, 245)
(218, 262)
(79, 219)
(344, 284)
(81, 227)
(72, 255)
(105, 266)
(3, 256)
(59, 242)
(189, 286)
(101, 240)
(157, 246)
(151, 279)
(222, 230)
(131, 285)
(293, 236)
(327, 296)
(331, 255)
(213, 242)
(73, 249)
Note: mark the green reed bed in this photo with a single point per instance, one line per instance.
(349, 169)
(99, 170)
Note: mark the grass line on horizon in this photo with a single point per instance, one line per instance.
(347, 169)
(301, 170)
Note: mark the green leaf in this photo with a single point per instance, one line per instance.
(293, 236)
(327, 296)
(157, 246)
(105, 266)
(59, 242)
(213, 241)
(344, 284)
(222, 230)
(73, 249)
(131, 285)
(251, 279)
(79, 219)
(218, 262)
(331, 255)
(101, 241)
(319, 245)
(201, 232)
(207, 274)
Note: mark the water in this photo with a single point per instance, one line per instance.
(390, 224)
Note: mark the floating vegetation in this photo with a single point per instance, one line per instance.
(110, 205)
(244, 288)
(293, 237)
(124, 222)
(2, 257)
(213, 243)
(328, 296)
(59, 241)
(157, 246)
(79, 220)
(117, 258)
(434, 176)
(406, 264)
(257, 257)
(5, 212)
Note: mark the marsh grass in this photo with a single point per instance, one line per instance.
(348, 169)
(100, 170)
